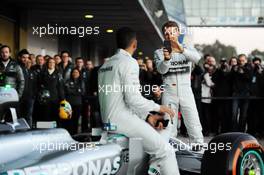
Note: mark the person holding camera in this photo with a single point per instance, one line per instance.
(222, 106)
(254, 111)
(206, 102)
(241, 76)
(174, 62)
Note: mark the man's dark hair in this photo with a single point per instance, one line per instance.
(124, 37)
(38, 56)
(206, 55)
(22, 52)
(5, 46)
(169, 24)
(256, 59)
(241, 55)
(78, 58)
(64, 51)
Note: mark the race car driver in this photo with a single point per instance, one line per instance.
(122, 104)
(175, 65)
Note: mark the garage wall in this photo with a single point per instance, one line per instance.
(45, 45)
(7, 33)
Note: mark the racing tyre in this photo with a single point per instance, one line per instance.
(233, 154)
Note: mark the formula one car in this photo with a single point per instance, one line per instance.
(24, 151)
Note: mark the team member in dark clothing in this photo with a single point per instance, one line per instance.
(255, 107)
(40, 64)
(74, 91)
(65, 67)
(27, 99)
(196, 82)
(152, 78)
(10, 71)
(50, 93)
(79, 62)
(36, 69)
(241, 76)
(223, 88)
(96, 121)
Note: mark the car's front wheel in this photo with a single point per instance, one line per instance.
(243, 155)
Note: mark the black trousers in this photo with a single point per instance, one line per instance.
(255, 116)
(25, 110)
(48, 111)
(86, 121)
(206, 117)
(223, 115)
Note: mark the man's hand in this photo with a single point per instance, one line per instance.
(167, 55)
(153, 119)
(165, 109)
(176, 46)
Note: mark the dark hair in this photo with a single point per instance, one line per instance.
(5, 46)
(78, 58)
(57, 55)
(49, 58)
(22, 52)
(169, 24)
(206, 55)
(233, 57)
(39, 56)
(256, 59)
(64, 51)
(77, 70)
(124, 37)
(241, 55)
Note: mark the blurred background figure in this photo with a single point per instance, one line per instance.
(57, 59)
(232, 62)
(241, 78)
(74, 91)
(66, 66)
(33, 59)
(222, 89)
(50, 92)
(207, 111)
(27, 100)
(11, 72)
(255, 112)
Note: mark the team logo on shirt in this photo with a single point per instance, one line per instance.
(182, 62)
(110, 68)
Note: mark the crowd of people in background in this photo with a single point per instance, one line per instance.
(43, 81)
(229, 94)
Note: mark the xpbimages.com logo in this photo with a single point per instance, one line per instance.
(115, 88)
(80, 31)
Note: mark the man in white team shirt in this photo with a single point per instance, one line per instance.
(175, 65)
(122, 104)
